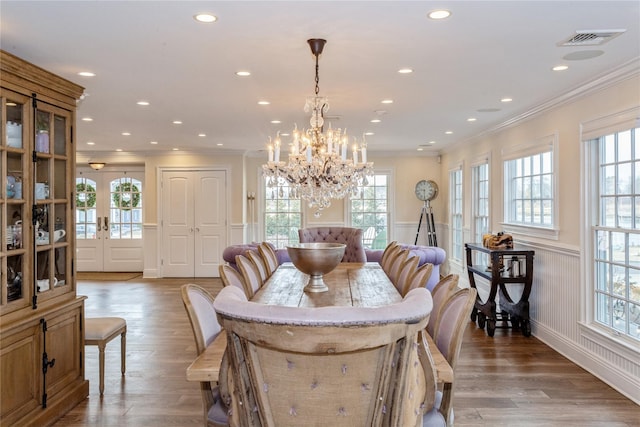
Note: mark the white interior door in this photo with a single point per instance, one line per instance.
(194, 222)
(109, 221)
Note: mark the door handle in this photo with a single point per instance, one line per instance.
(197, 229)
(98, 223)
(106, 224)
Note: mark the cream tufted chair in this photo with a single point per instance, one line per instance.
(324, 366)
(352, 237)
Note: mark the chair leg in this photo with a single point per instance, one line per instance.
(101, 348)
(123, 351)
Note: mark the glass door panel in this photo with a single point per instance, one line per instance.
(60, 135)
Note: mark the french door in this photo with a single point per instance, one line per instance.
(193, 223)
(109, 221)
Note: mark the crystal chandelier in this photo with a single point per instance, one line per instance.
(319, 168)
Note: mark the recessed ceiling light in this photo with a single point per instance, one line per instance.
(153, 142)
(432, 142)
(276, 122)
(219, 144)
(177, 122)
(284, 134)
(506, 100)
(471, 119)
(202, 135)
(243, 73)
(86, 74)
(144, 103)
(369, 133)
(126, 134)
(387, 101)
(205, 17)
(405, 70)
(420, 149)
(263, 103)
(87, 119)
(439, 14)
(118, 149)
(375, 120)
(560, 68)
(449, 132)
(175, 149)
(91, 143)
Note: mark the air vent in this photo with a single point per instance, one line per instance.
(591, 37)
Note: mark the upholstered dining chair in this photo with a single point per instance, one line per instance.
(397, 264)
(198, 303)
(230, 276)
(259, 264)
(352, 237)
(454, 319)
(433, 398)
(324, 366)
(250, 275)
(388, 255)
(269, 256)
(419, 278)
(440, 293)
(407, 271)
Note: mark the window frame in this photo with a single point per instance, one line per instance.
(390, 200)
(590, 134)
(459, 257)
(548, 143)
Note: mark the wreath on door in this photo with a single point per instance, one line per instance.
(126, 196)
(85, 196)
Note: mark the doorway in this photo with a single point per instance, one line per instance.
(109, 220)
(193, 208)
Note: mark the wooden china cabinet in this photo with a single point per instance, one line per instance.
(41, 337)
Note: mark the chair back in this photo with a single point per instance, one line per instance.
(230, 276)
(269, 256)
(352, 237)
(440, 293)
(324, 366)
(250, 275)
(396, 265)
(419, 278)
(259, 263)
(407, 270)
(454, 318)
(388, 255)
(198, 303)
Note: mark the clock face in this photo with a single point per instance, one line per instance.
(426, 190)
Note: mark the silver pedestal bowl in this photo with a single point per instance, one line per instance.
(316, 259)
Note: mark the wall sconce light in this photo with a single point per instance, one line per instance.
(97, 165)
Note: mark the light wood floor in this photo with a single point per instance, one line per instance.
(507, 380)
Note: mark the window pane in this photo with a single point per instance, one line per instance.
(369, 211)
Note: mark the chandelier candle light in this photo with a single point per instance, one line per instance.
(318, 168)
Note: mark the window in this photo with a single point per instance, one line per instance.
(125, 209)
(282, 215)
(455, 192)
(480, 189)
(370, 211)
(616, 233)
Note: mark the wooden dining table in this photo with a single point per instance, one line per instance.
(350, 284)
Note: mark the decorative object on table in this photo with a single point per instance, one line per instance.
(316, 259)
(497, 241)
(318, 169)
(426, 191)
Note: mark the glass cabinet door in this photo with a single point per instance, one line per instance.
(14, 213)
(52, 200)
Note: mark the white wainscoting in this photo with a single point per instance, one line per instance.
(151, 256)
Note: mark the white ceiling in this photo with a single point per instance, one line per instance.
(156, 51)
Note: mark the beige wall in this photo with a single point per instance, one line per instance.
(565, 121)
(406, 172)
(235, 163)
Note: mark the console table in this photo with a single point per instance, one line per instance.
(500, 273)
